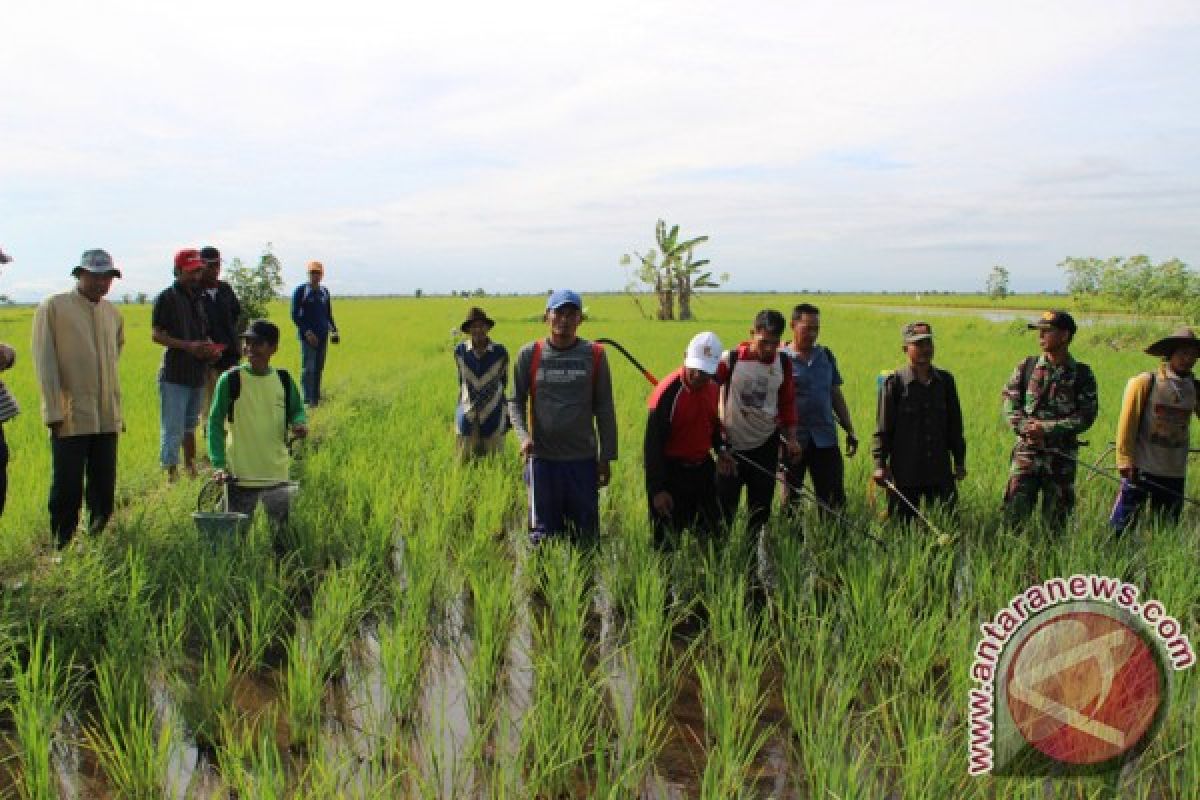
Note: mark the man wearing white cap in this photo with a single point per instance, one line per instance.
(77, 339)
(682, 430)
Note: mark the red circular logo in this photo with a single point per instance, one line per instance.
(1084, 688)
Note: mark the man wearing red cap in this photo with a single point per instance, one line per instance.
(180, 324)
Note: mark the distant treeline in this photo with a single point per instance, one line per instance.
(1135, 284)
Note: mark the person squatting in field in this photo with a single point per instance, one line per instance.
(254, 410)
(563, 414)
(312, 313)
(819, 400)
(757, 407)
(1152, 432)
(683, 429)
(179, 323)
(77, 340)
(1048, 401)
(481, 418)
(918, 446)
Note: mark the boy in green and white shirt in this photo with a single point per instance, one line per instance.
(253, 410)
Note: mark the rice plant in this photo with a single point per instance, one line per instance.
(42, 693)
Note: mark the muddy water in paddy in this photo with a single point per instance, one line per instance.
(439, 747)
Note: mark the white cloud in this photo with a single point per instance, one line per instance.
(516, 142)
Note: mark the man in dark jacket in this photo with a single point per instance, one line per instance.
(224, 317)
(918, 447)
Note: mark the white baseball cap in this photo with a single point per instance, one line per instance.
(703, 352)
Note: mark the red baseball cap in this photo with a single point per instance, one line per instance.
(188, 260)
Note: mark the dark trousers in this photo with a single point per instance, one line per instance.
(1165, 495)
(693, 491)
(759, 482)
(945, 494)
(76, 461)
(825, 466)
(312, 364)
(563, 500)
(3, 469)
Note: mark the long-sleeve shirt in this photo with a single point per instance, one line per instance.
(76, 345)
(1063, 399)
(919, 428)
(312, 311)
(683, 425)
(1152, 429)
(254, 445)
(572, 403)
(758, 400)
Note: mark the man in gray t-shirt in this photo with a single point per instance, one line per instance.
(562, 412)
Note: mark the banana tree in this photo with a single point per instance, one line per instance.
(672, 270)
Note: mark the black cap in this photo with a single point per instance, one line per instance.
(1054, 319)
(262, 329)
(210, 255)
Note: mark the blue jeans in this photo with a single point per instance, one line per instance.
(563, 500)
(312, 364)
(179, 411)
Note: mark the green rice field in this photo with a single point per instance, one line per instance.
(408, 643)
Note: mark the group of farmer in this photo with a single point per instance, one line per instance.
(78, 337)
(749, 419)
(763, 416)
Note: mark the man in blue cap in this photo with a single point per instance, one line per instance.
(563, 414)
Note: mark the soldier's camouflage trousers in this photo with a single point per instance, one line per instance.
(1034, 472)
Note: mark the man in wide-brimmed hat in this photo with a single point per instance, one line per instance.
(1048, 401)
(1152, 431)
(77, 338)
(481, 418)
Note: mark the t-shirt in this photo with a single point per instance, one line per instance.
(481, 384)
(572, 407)
(757, 401)
(254, 446)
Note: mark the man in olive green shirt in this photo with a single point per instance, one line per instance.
(255, 409)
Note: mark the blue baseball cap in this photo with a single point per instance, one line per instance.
(563, 297)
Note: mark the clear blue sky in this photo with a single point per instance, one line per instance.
(516, 146)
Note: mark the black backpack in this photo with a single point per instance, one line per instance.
(234, 376)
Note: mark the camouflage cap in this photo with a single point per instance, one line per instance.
(917, 332)
(1054, 319)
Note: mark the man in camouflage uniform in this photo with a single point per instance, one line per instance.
(1049, 400)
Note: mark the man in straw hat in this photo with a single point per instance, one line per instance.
(1048, 401)
(1152, 431)
(482, 416)
(77, 338)
(312, 311)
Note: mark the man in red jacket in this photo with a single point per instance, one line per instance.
(682, 431)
